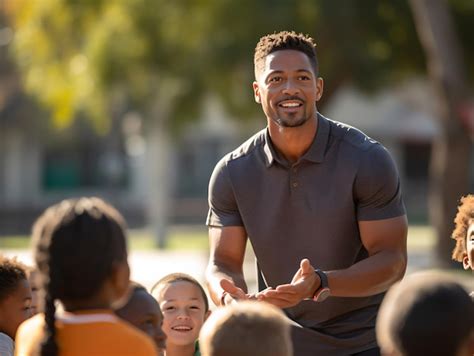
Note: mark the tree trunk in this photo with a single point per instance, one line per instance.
(449, 169)
(161, 167)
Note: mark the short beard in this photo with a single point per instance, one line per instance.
(288, 123)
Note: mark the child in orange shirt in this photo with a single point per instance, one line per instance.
(185, 307)
(81, 255)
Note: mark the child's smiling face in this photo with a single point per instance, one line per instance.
(468, 259)
(184, 312)
(15, 308)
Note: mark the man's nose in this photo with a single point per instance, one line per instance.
(290, 87)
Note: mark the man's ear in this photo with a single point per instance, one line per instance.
(256, 92)
(319, 88)
(465, 262)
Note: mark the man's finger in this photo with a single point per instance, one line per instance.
(305, 266)
(229, 287)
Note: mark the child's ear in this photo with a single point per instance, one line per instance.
(465, 262)
(208, 313)
(120, 278)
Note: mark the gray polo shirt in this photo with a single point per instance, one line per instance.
(310, 209)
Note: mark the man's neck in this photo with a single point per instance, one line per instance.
(179, 350)
(293, 142)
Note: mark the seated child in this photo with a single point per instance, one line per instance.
(246, 328)
(81, 254)
(33, 276)
(464, 232)
(427, 313)
(185, 307)
(143, 312)
(15, 300)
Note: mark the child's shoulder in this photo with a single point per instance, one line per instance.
(29, 335)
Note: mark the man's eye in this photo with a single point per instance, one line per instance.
(275, 79)
(303, 77)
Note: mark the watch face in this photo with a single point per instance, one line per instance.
(322, 295)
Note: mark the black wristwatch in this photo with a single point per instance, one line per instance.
(323, 291)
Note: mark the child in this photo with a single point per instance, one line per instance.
(143, 312)
(427, 313)
(15, 299)
(464, 233)
(81, 255)
(32, 275)
(185, 307)
(246, 328)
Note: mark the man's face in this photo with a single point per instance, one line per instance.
(15, 308)
(468, 260)
(287, 88)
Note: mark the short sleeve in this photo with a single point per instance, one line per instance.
(223, 209)
(377, 186)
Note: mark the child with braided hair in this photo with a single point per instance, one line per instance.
(81, 255)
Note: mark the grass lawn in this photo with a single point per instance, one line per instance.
(179, 239)
(419, 237)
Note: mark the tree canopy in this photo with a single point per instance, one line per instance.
(83, 56)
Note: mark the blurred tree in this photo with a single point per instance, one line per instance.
(455, 104)
(162, 58)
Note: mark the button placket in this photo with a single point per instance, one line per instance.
(294, 183)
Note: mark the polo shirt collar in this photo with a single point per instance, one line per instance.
(316, 150)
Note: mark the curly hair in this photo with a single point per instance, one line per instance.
(281, 41)
(463, 219)
(76, 244)
(12, 272)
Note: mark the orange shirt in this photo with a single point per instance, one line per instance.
(92, 332)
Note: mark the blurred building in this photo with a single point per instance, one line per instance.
(40, 166)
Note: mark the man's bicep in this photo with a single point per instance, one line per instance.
(377, 191)
(385, 234)
(227, 246)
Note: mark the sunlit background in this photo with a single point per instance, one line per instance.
(136, 100)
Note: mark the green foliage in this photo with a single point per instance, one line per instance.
(82, 56)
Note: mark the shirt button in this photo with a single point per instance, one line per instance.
(295, 184)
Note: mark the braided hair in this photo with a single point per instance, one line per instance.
(76, 244)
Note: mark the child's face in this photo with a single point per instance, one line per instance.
(33, 280)
(184, 312)
(143, 311)
(15, 308)
(468, 260)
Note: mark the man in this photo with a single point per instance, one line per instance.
(309, 193)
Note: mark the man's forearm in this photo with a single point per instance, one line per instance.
(370, 276)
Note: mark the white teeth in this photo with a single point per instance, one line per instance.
(181, 328)
(290, 105)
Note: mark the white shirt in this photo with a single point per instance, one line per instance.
(6, 345)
